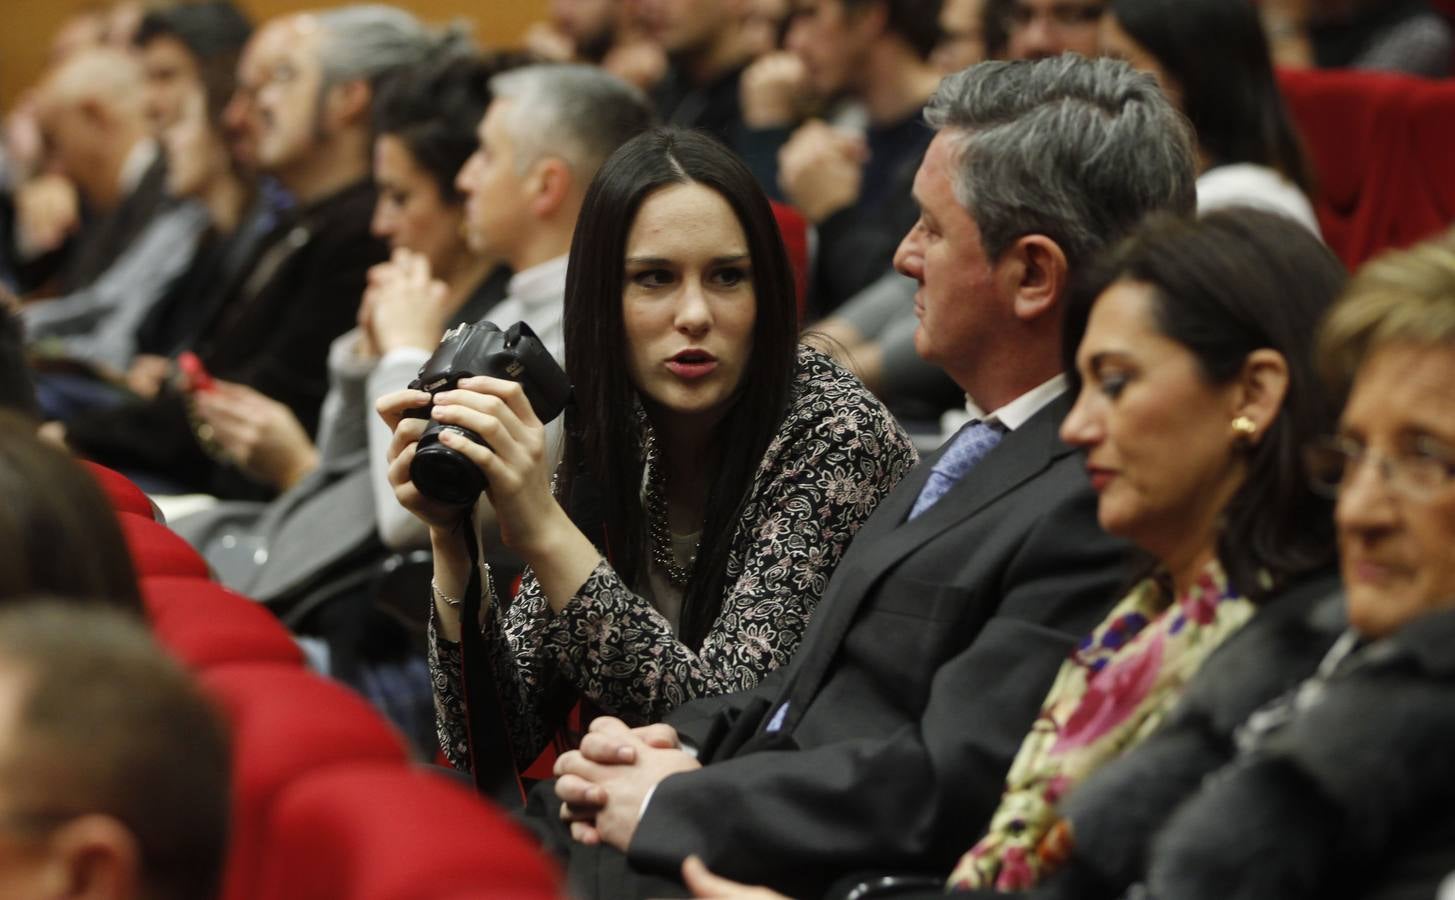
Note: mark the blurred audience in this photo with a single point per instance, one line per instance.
(17, 383)
(184, 47)
(576, 30)
(854, 188)
(963, 38)
(188, 54)
(707, 48)
(1036, 29)
(307, 123)
(1211, 58)
(200, 165)
(114, 768)
(940, 633)
(339, 516)
(91, 111)
(1398, 35)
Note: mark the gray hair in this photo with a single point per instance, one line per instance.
(576, 113)
(370, 40)
(1078, 150)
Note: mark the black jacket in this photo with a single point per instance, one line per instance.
(272, 334)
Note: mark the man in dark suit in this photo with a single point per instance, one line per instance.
(885, 742)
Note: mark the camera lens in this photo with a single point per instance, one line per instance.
(443, 474)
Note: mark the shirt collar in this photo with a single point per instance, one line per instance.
(1020, 410)
(539, 283)
(143, 154)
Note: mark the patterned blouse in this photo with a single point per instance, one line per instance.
(836, 455)
(1111, 693)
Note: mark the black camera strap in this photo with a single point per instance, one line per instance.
(492, 757)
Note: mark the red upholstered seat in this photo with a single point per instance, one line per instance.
(157, 550)
(794, 229)
(123, 494)
(1379, 145)
(205, 624)
(286, 723)
(373, 832)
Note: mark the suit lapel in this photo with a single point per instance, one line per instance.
(1020, 456)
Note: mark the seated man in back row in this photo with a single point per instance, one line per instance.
(884, 743)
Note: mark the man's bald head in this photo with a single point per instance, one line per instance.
(96, 74)
(92, 114)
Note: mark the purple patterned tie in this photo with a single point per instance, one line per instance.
(967, 447)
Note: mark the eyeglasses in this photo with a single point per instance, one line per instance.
(1059, 15)
(1417, 473)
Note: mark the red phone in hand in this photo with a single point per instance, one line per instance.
(196, 374)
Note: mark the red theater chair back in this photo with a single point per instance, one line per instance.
(1380, 146)
(371, 832)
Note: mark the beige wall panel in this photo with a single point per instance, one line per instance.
(26, 27)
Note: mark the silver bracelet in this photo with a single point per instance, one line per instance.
(487, 588)
(441, 597)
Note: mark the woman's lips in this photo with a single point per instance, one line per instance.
(1100, 478)
(692, 364)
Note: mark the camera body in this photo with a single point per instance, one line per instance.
(515, 354)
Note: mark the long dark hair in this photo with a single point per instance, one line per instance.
(604, 441)
(1218, 53)
(58, 533)
(1225, 285)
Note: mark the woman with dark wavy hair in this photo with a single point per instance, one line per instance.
(714, 474)
(1212, 60)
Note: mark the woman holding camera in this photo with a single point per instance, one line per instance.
(727, 467)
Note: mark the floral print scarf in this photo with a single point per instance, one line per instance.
(1113, 691)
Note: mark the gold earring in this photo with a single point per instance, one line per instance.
(1244, 429)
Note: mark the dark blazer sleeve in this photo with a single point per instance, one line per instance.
(915, 797)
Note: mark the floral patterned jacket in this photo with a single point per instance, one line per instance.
(837, 454)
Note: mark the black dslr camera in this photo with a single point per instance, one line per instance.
(515, 354)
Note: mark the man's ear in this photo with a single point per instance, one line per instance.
(95, 113)
(348, 102)
(1037, 274)
(95, 857)
(1261, 389)
(550, 182)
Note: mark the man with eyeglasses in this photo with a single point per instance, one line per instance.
(1041, 28)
